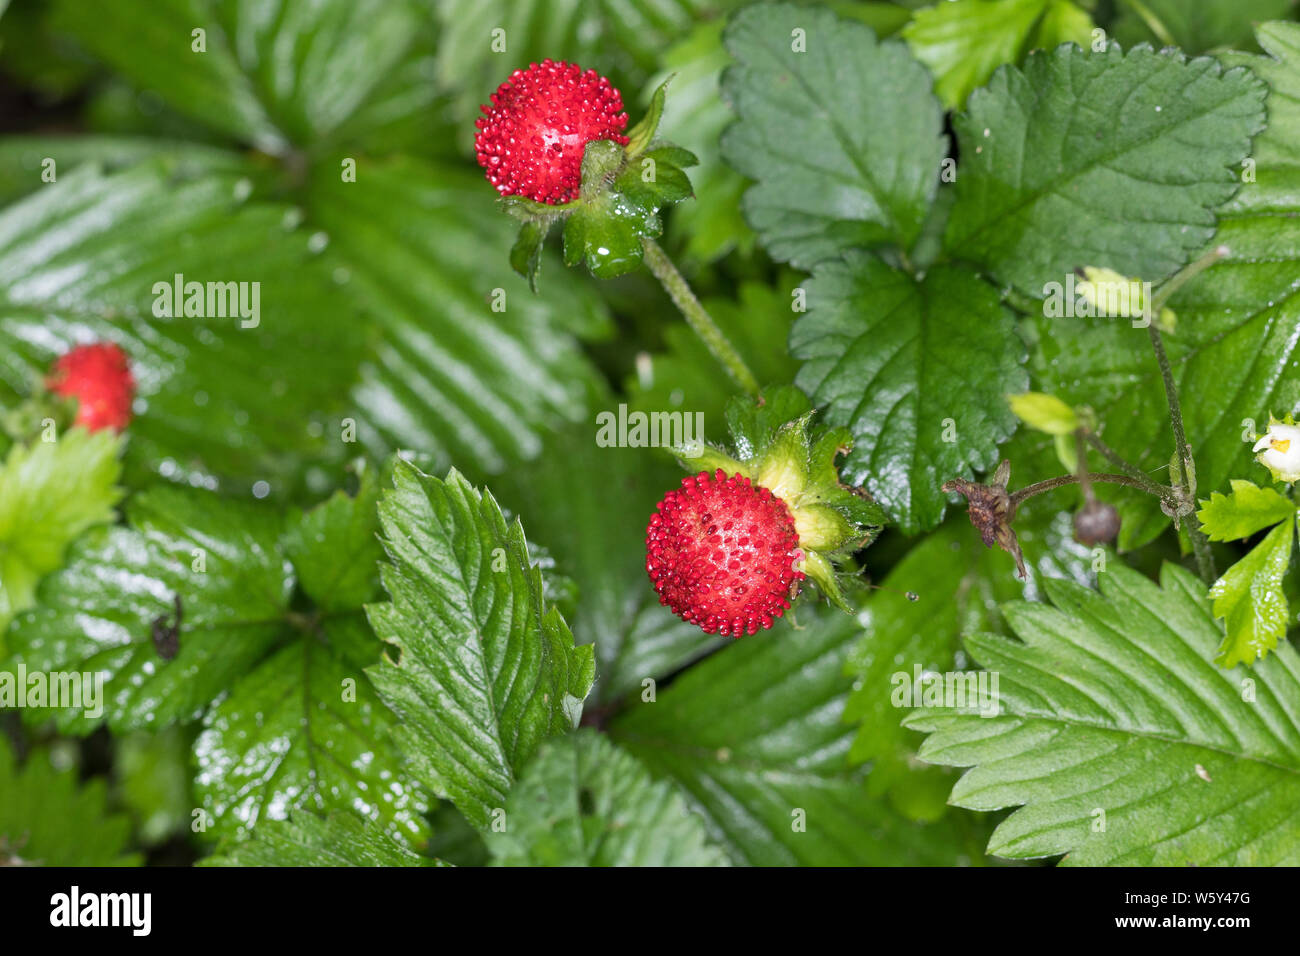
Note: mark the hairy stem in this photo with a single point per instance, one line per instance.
(1183, 457)
(700, 321)
(1133, 471)
(1051, 484)
(1191, 271)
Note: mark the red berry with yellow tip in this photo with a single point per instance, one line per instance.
(532, 135)
(100, 379)
(722, 553)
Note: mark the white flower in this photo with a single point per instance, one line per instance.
(1279, 451)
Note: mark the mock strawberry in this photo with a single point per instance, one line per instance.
(100, 379)
(532, 136)
(721, 552)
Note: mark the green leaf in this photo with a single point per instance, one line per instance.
(1250, 600)
(963, 42)
(101, 612)
(1197, 27)
(526, 253)
(596, 529)
(50, 493)
(1044, 412)
(1133, 189)
(153, 773)
(1234, 356)
(304, 730)
(843, 136)
(481, 378)
(584, 802)
(754, 737)
(48, 819)
(305, 839)
(211, 408)
(480, 670)
(917, 371)
(274, 74)
(335, 548)
(1249, 508)
(1121, 739)
(948, 584)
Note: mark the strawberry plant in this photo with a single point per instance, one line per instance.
(649, 434)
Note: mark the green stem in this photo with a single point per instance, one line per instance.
(1183, 455)
(1051, 484)
(697, 317)
(1160, 491)
(1191, 271)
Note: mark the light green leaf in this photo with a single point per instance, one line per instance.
(754, 737)
(1134, 188)
(584, 802)
(304, 730)
(99, 614)
(1250, 600)
(1249, 508)
(1234, 356)
(48, 819)
(51, 492)
(843, 136)
(917, 371)
(480, 670)
(153, 774)
(964, 41)
(1113, 712)
(305, 839)
(1044, 412)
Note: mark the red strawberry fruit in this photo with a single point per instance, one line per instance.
(100, 379)
(722, 553)
(533, 134)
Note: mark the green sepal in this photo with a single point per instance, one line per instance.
(526, 255)
(640, 136)
(821, 572)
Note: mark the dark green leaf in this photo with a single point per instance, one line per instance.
(339, 839)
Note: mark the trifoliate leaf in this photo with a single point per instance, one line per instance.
(840, 131)
(305, 839)
(754, 737)
(51, 492)
(916, 371)
(304, 730)
(1044, 412)
(113, 609)
(964, 41)
(1121, 739)
(1234, 357)
(47, 818)
(1250, 600)
(582, 801)
(480, 670)
(1134, 189)
(1249, 508)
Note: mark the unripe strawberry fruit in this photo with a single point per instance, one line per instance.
(98, 377)
(532, 135)
(721, 552)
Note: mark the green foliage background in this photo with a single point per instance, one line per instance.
(408, 572)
